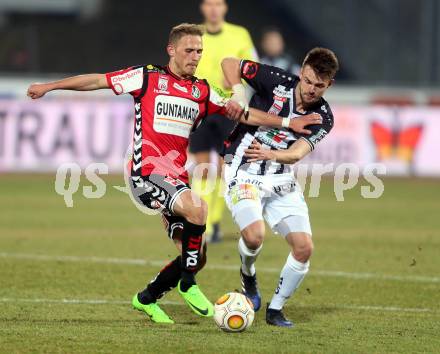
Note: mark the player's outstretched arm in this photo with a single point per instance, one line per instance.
(263, 119)
(88, 82)
(293, 154)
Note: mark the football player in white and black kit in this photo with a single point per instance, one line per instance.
(259, 167)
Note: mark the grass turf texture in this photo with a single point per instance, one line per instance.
(393, 238)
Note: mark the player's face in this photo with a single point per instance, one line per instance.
(214, 11)
(273, 44)
(312, 87)
(186, 54)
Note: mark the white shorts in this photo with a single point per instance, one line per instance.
(274, 198)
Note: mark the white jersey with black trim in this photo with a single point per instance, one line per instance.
(275, 94)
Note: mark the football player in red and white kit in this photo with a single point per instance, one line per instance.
(169, 103)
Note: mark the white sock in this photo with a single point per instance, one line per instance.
(291, 277)
(248, 257)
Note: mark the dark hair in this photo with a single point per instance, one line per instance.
(323, 61)
(202, 1)
(270, 29)
(184, 29)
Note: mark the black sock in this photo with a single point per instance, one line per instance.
(191, 257)
(166, 280)
(187, 281)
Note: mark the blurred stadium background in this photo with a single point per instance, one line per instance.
(386, 102)
(386, 96)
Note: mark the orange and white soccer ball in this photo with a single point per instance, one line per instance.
(233, 312)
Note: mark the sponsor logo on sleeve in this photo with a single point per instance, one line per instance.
(316, 138)
(129, 81)
(118, 88)
(250, 70)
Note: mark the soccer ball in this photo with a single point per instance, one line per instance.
(233, 312)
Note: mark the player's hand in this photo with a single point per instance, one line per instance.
(233, 110)
(239, 96)
(37, 90)
(255, 152)
(298, 124)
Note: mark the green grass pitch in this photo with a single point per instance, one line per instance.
(67, 275)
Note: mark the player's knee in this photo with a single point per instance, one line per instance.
(197, 212)
(253, 235)
(254, 242)
(303, 250)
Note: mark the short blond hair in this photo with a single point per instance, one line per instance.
(184, 29)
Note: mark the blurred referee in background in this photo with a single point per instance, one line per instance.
(221, 39)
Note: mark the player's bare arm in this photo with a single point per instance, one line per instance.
(231, 72)
(88, 82)
(259, 118)
(293, 154)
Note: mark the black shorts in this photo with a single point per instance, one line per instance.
(157, 192)
(211, 134)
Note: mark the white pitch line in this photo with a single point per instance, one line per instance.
(65, 301)
(155, 263)
(407, 278)
(124, 302)
(78, 301)
(387, 308)
(92, 259)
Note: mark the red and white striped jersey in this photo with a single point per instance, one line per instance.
(167, 109)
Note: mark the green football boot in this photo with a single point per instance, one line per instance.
(197, 301)
(153, 311)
